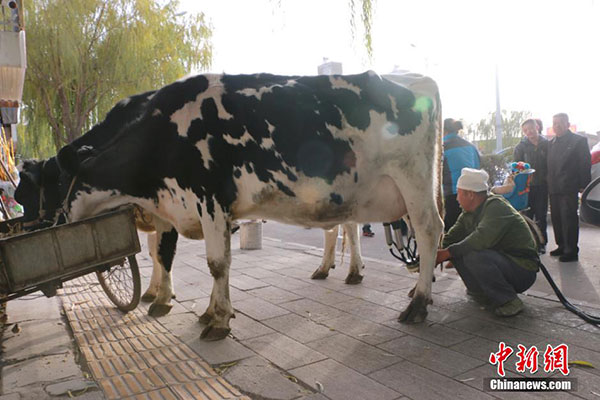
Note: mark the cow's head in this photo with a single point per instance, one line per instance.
(38, 190)
(44, 185)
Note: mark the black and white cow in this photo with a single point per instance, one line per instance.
(42, 179)
(314, 151)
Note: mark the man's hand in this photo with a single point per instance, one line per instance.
(442, 255)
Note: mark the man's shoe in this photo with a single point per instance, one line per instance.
(542, 249)
(557, 252)
(479, 297)
(510, 308)
(568, 257)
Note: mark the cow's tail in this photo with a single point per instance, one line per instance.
(440, 161)
(344, 240)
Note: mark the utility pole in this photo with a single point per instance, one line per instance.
(498, 115)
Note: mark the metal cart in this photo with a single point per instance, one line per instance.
(43, 259)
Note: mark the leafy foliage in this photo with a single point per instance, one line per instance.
(496, 165)
(484, 132)
(366, 16)
(84, 55)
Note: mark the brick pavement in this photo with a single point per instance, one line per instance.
(295, 338)
(133, 356)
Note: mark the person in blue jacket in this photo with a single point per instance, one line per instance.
(458, 154)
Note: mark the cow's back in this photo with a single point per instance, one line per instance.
(281, 147)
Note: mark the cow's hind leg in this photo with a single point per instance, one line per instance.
(166, 237)
(218, 253)
(426, 221)
(328, 261)
(356, 264)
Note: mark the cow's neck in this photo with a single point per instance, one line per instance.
(87, 203)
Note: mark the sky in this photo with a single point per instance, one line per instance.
(546, 52)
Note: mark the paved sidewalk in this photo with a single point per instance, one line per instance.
(295, 338)
(39, 359)
(133, 355)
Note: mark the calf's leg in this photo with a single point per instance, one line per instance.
(166, 237)
(328, 261)
(356, 263)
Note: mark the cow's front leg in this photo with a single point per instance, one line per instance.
(166, 243)
(328, 261)
(356, 264)
(150, 293)
(218, 254)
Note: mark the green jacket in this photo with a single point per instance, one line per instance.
(494, 225)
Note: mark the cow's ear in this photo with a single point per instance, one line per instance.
(29, 179)
(31, 170)
(68, 160)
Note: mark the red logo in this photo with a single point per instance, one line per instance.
(555, 358)
(502, 355)
(527, 359)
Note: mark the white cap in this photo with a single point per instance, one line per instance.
(474, 180)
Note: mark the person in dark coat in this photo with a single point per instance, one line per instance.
(540, 126)
(458, 154)
(569, 166)
(533, 149)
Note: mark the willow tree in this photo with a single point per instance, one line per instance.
(365, 9)
(84, 55)
(484, 131)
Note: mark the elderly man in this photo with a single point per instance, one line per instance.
(490, 246)
(569, 172)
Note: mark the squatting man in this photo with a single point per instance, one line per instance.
(490, 246)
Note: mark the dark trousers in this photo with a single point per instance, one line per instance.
(493, 274)
(565, 221)
(538, 207)
(452, 211)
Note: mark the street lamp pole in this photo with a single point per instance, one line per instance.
(498, 115)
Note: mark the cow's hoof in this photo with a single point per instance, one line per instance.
(159, 310)
(354, 279)
(416, 311)
(205, 318)
(148, 297)
(318, 274)
(210, 334)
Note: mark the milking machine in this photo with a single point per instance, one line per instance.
(400, 237)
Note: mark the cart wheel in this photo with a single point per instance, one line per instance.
(121, 283)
